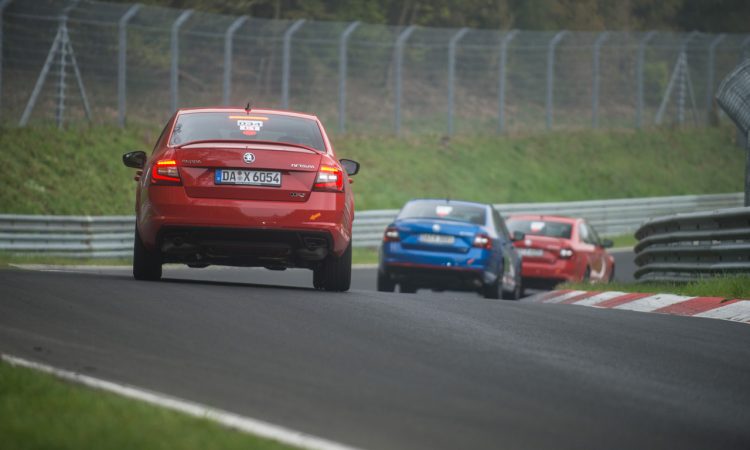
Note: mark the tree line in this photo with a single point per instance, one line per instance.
(728, 16)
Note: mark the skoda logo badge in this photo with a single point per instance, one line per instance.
(436, 228)
(249, 158)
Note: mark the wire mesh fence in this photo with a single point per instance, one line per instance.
(137, 63)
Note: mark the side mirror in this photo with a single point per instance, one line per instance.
(607, 243)
(518, 236)
(136, 160)
(350, 167)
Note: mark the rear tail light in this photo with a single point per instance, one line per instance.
(329, 178)
(566, 253)
(165, 171)
(482, 241)
(391, 235)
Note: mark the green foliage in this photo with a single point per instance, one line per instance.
(39, 412)
(678, 15)
(729, 287)
(79, 171)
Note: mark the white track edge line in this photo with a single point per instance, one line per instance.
(227, 419)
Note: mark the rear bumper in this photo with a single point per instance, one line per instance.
(168, 207)
(560, 271)
(440, 270)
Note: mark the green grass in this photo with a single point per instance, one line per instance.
(38, 411)
(79, 170)
(727, 286)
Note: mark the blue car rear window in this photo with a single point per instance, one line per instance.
(444, 211)
(206, 126)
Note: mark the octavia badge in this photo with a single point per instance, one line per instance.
(249, 158)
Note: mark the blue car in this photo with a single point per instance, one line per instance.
(450, 245)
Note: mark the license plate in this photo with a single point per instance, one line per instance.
(436, 239)
(248, 177)
(531, 251)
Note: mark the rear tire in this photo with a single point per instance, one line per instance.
(516, 293)
(146, 263)
(335, 273)
(587, 276)
(385, 284)
(492, 291)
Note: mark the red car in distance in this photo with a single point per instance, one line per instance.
(558, 249)
(242, 187)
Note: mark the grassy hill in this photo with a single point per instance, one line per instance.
(79, 171)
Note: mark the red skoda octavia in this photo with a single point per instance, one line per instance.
(241, 187)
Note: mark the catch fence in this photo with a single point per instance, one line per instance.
(64, 60)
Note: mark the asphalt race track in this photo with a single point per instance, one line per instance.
(392, 371)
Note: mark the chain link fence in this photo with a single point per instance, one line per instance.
(137, 63)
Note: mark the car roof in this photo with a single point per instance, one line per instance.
(544, 217)
(234, 109)
(447, 201)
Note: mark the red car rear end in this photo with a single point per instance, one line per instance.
(244, 188)
(558, 249)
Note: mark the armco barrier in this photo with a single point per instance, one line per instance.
(684, 247)
(112, 236)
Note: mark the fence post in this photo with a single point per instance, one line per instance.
(596, 80)
(684, 77)
(711, 74)
(228, 49)
(175, 52)
(343, 65)
(122, 53)
(639, 75)
(287, 61)
(501, 78)
(549, 104)
(3, 4)
(400, 41)
(452, 74)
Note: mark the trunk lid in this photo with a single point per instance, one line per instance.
(199, 163)
(437, 235)
(541, 248)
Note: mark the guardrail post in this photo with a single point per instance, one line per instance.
(639, 75)
(452, 74)
(175, 52)
(595, 87)
(287, 62)
(400, 42)
(122, 61)
(551, 75)
(228, 50)
(3, 4)
(343, 66)
(502, 69)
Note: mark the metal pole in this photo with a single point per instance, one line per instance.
(400, 41)
(175, 51)
(343, 65)
(501, 79)
(711, 74)
(287, 62)
(639, 75)
(452, 74)
(3, 4)
(61, 74)
(747, 168)
(122, 62)
(596, 80)
(551, 75)
(228, 49)
(42, 77)
(683, 77)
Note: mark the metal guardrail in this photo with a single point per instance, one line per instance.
(112, 236)
(684, 247)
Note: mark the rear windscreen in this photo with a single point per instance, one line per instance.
(446, 211)
(191, 127)
(540, 228)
